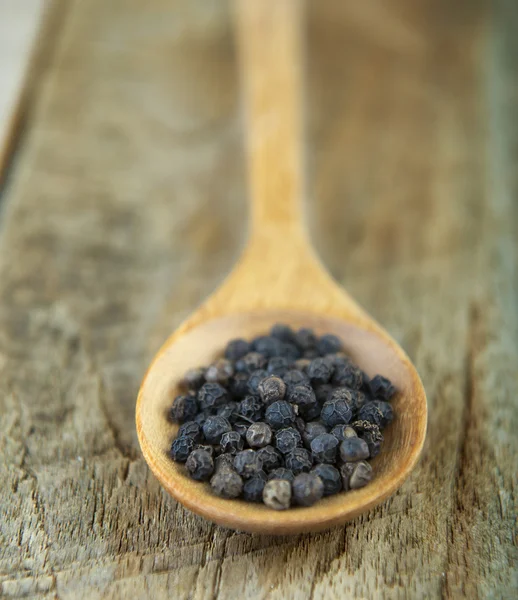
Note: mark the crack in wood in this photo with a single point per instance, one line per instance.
(463, 459)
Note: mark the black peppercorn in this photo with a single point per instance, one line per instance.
(377, 412)
(348, 375)
(253, 489)
(236, 349)
(280, 414)
(320, 370)
(307, 488)
(259, 435)
(184, 408)
(361, 475)
(220, 372)
(281, 473)
(354, 449)
(231, 442)
(324, 448)
(181, 448)
(286, 440)
(271, 389)
(255, 379)
(330, 477)
(277, 494)
(248, 463)
(270, 458)
(214, 427)
(212, 395)
(194, 378)
(381, 388)
(299, 460)
(252, 408)
(336, 412)
(190, 429)
(200, 465)
(226, 483)
(250, 362)
(329, 344)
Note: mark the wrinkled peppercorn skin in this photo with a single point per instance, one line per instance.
(200, 465)
(280, 414)
(270, 458)
(184, 408)
(181, 448)
(212, 395)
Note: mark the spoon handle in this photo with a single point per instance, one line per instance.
(270, 49)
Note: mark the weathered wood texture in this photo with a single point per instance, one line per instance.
(18, 26)
(126, 207)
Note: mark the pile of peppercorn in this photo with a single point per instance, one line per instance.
(285, 419)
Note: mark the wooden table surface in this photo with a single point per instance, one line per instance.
(125, 205)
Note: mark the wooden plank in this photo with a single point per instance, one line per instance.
(127, 206)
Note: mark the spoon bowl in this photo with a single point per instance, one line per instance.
(279, 279)
(203, 343)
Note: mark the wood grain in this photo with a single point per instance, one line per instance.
(126, 208)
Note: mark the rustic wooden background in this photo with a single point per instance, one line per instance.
(125, 205)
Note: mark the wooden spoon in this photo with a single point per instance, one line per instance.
(278, 279)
